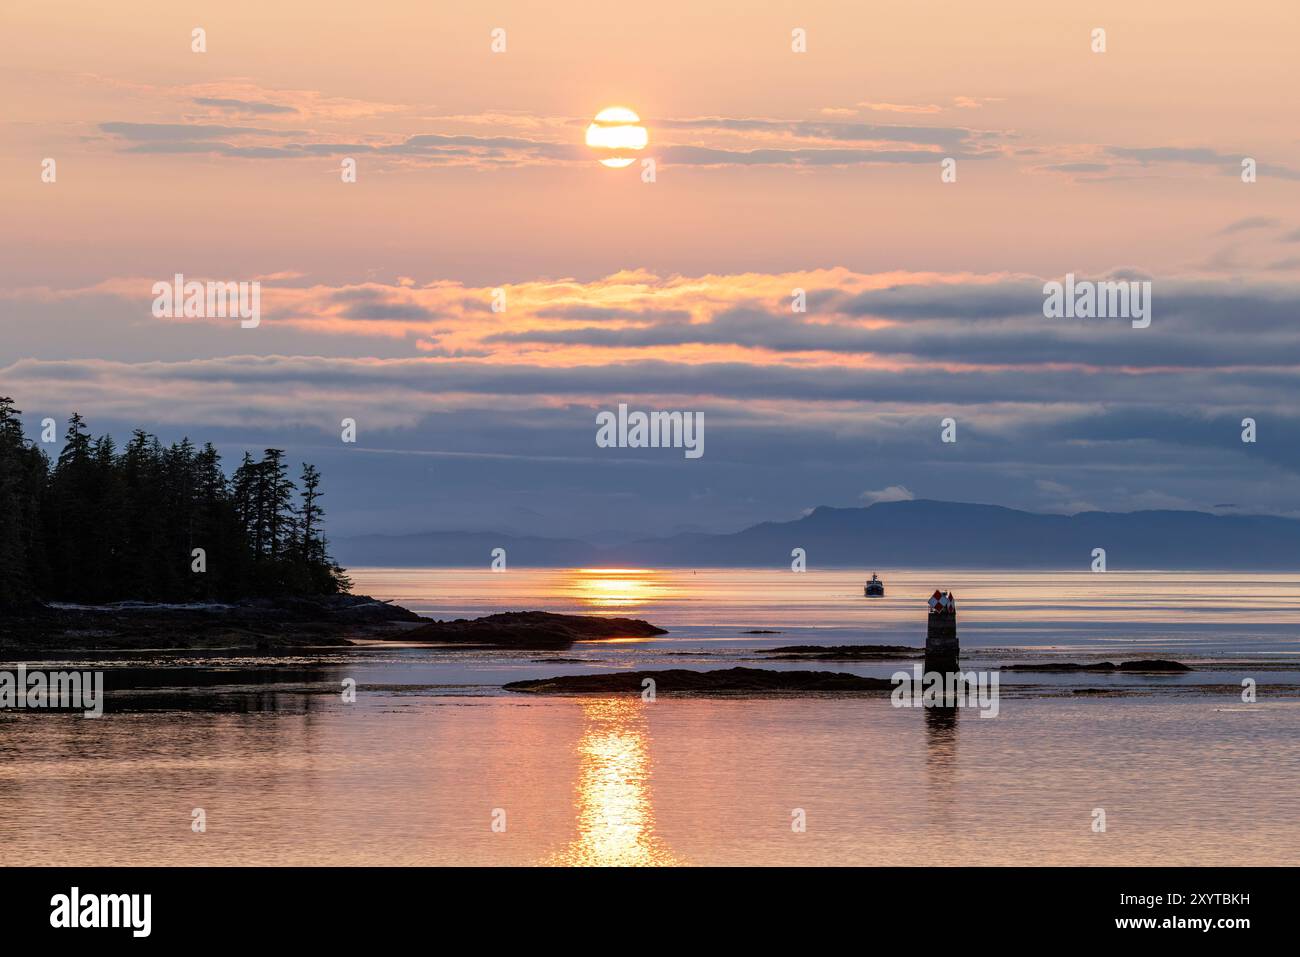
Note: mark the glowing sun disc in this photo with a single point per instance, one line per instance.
(617, 132)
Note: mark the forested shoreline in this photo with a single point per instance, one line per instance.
(99, 524)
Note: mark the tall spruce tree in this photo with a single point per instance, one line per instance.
(23, 469)
(103, 525)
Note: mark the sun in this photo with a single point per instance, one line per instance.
(615, 133)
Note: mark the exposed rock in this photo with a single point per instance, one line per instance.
(532, 629)
(724, 681)
(1150, 664)
(260, 623)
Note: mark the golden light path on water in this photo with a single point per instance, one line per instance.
(614, 587)
(615, 813)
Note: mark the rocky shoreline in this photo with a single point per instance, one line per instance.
(1143, 665)
(266, 624)
(722, 681)
(533, 630)
(260, 623)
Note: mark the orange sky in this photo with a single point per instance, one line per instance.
(1018, 78)
(774, 170)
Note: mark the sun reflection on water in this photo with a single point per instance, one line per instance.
(617, 587)
(616, 821)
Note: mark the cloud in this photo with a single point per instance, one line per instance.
(1077, 167)
(902, 107)
(435, 148)
(1249, 223)
(591, 313)
(243, 106)
(1094, 164)
(1173, 154)
(703, 156)
(374, 304)
(894, 493)
(521, 140)
(937, 136)
(850, 393)
(855, 320)
(184, 131)
(975, 321)
(974, 300)
(241, 95)
(1198, 155)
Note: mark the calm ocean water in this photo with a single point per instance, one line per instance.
(416, 769)
(1230, 612)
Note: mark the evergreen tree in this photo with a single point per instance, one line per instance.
(23, 471)
(103, 525)
(276, 497)
(328, 577)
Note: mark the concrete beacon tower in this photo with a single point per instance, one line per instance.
(941, 649)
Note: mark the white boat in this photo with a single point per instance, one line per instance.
(874, 588)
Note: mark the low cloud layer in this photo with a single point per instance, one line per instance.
(802, 408)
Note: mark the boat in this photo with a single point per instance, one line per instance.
(874, 588)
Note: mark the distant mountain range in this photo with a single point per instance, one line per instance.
(911, 534)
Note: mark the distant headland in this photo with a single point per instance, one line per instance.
(909, 534)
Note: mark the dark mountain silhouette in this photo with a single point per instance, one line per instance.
(914, 534)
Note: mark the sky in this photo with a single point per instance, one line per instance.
(670, 284)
